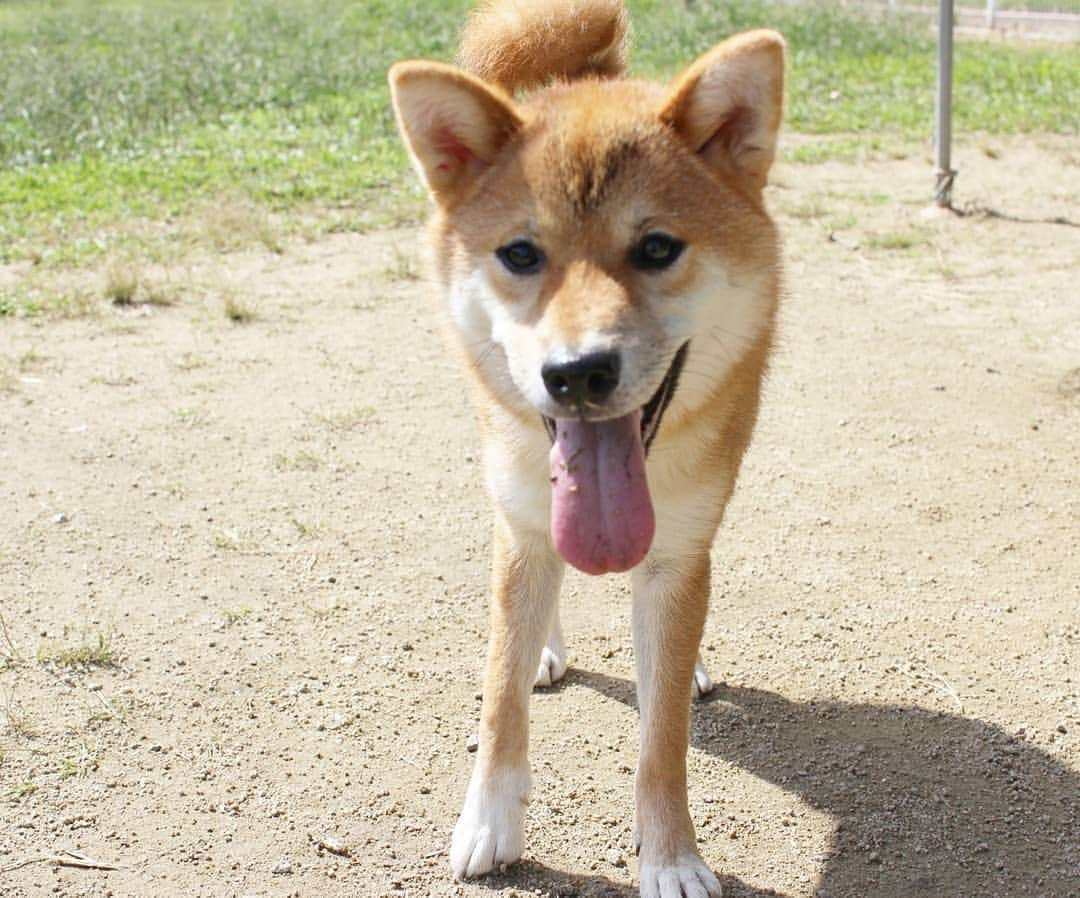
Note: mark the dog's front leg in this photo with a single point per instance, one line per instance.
(526, 578)
(670, 602)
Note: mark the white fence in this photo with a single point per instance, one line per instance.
(1060, 23)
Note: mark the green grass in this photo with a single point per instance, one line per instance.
(93, 650)
(120, 120)
(1070, 6)
(899, 240)
(235, 615)
(236, 310)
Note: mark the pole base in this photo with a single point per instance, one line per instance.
(943, 186)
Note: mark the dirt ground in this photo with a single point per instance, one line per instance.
(243, 576)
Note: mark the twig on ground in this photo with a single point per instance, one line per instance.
(8, 653)
(63, 859)
(80, 860)
(932, 678)
(26, 863)
(976, 210)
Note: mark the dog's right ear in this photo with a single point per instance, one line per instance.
(453, 123)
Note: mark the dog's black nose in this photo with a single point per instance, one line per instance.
(584, 381)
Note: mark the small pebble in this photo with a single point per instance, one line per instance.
(472, 743)
(60, 518)
(282, 867)
(614, 857)
(334, 845)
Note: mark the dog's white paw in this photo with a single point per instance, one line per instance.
(491, 829)
(552, 667)
(689, 878)
(703, 683)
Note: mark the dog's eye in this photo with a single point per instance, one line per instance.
(656, 251)
(520, 257)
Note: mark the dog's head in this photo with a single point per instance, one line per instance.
(587, 235)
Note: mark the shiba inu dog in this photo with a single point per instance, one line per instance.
(612, 277)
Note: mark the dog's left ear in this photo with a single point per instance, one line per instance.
(727, 106)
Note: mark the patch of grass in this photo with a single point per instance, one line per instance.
(868, 72)
(817, 151)
(877, 199)
(189, 361)
(228, 542)
(27, 300)
(126, 284)
(23, 790)
(237, 310)
(842, 222)
(190, 416)
(899, 240)
(94, 649)
(813, 208)
(126, 115)
(324, 614)
(223, 541)
(304, 460)
(403, 265)
(145, 115)
(97, 715)
(233, 616)
(307, 531)
(846, 149)
(239, 224)
(9, 653)
(121, 283)
(17, 720)
(161, 294)
(117, 379)
(31, 360)
(349, 419)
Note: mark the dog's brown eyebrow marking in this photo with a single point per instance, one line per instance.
(589, 175)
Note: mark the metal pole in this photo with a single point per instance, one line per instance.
(943, 107)
(991, 9)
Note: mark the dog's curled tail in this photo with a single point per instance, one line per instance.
(520, 44)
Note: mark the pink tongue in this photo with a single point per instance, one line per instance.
(601, 514)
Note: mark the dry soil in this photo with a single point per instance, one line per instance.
(243, 574)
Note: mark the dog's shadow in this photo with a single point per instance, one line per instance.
(926, 804)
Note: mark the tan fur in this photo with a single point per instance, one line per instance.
(584, 168)
(520, 44)
(669, 605)
(520, 616)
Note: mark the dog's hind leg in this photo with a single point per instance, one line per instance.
(526, 578)
(670, 601)
(552, 666)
